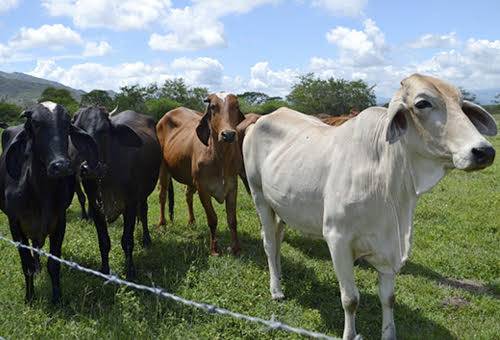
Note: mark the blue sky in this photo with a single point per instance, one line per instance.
(260, 45)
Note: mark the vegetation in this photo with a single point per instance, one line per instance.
(467, 95)
(60, 96)
(336, 97)
(449, 288)
(99, 98)
(9, 113)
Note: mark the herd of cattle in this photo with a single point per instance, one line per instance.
(354, 181)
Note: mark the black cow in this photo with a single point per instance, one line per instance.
(37, 183)
(129, 157)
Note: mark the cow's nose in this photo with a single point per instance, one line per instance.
(228, 136)
(58, 168)
(484, 155)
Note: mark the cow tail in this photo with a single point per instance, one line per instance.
(166, 187)
(171, 201)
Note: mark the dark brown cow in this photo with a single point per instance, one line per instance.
(204, 153)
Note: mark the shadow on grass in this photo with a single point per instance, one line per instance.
(164, 264)
(318, 249)
(470, 286)
(301, 284)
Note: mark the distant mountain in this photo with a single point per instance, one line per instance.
(23, 89)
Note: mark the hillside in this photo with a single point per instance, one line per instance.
(22, 89)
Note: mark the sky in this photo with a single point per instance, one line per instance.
(258, 45)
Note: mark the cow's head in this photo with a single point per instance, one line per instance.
(44, 138)
(439, 125)
(96, 121)
(221, 119)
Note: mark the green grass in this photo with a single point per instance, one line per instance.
(456, 238)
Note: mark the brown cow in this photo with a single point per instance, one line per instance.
(204, 153)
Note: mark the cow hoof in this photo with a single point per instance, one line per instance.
(56, 299)
(161, 224)
(214, 253)
(146, 242)
(278, 296)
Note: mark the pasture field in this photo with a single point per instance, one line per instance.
(450, 288)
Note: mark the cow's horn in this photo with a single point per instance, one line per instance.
(114, 111)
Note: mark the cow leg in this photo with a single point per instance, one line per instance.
(231, 219)
(269, 237)
(206, 201)
(165, 182)
(54, 267)
(190, 190)
(343, 262)
(27, 261)
(36, 256)
(280, 234)
(129, 217)
(81, 199)
(386, 295)
(143, 215)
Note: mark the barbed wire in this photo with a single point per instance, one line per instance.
(212, 309)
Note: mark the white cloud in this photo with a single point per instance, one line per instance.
(88, 76)
(436, 41)
(361, 48)
(47, 36)
(263, 78)
(202, 71)
(96, 49)
(6, 5)
(112, 14)
(350, 8)
(198, 26)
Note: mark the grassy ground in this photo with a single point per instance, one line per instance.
(450, 288)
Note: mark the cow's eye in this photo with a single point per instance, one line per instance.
(423, 104)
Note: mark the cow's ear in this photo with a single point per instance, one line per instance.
(245, 123)
(85, 145)
(482, 119)
(203, 128)
(126, 136)
(15, 155)
(397, 122)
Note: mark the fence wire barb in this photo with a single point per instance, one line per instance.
(212, 309)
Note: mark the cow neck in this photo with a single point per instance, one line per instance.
(223, 155)
(399, 190)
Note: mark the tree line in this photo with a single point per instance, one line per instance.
(309, 94)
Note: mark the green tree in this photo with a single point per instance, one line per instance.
(467, 95)
(253, 98)
(313, 95)
(9, 113)
(132, 98)
(178, 91)
(157, 107)
(99, 98)
(59, 96)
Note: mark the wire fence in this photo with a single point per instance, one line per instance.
(271, 324)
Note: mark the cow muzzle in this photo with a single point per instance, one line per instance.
(228, 136)
(475, 158)
(60, 168)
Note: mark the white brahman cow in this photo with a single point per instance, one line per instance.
(357, 185)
